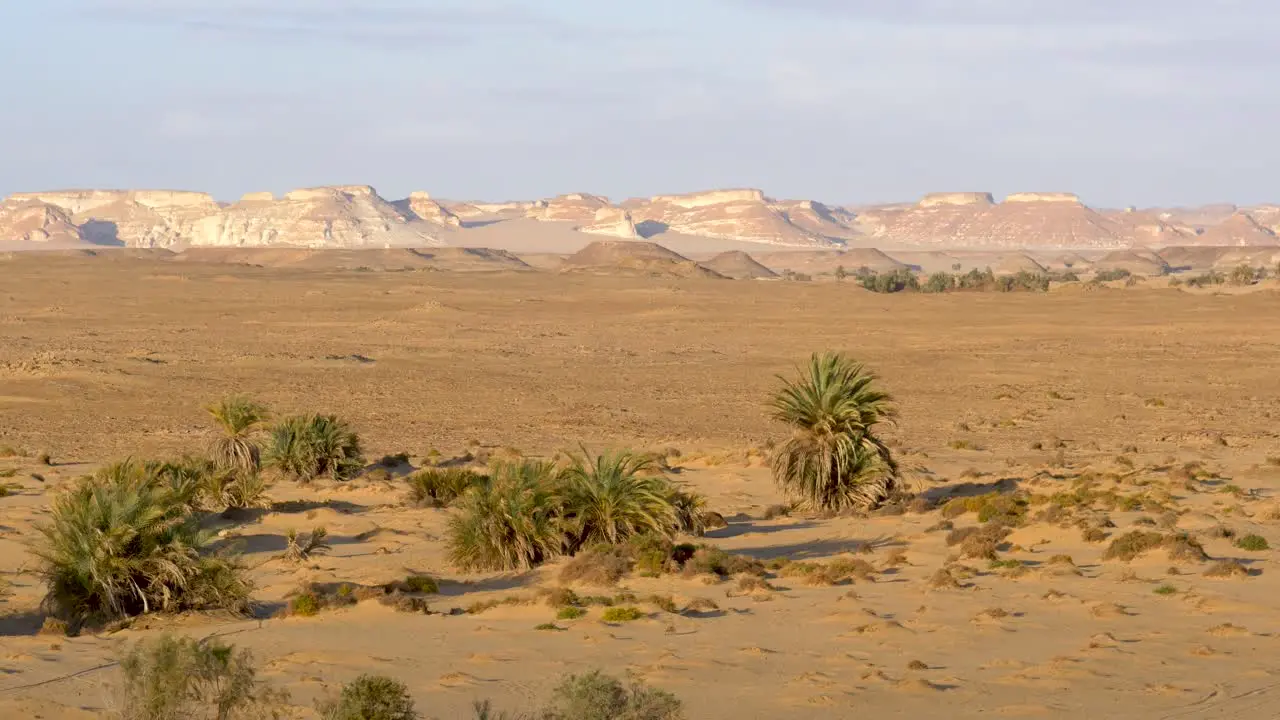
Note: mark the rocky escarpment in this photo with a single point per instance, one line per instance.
(1023, 220)
(134, 218)
(421, 206)
(620, 257)
(745, 215)
(37, 222)
(327, 217)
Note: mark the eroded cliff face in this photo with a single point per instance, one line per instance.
(352, 216)
(349, 216)
(37, 222)
(745, 215)
(134, 218)
(420, 205)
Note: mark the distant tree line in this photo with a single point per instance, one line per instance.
(903, 280)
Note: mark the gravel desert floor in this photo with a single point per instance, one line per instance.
(1088, 415)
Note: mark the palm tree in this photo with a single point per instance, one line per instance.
(611, 497)
(510, 521)
(239, 418)
(833, 459)
(306, 447)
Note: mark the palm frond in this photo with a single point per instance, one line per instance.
(612, 497)
(511, 521)
(239, 418)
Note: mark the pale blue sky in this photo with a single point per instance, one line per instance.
(1135, 101)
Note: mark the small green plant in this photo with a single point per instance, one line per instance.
(1165, 589)
(964, 445)
(423, 584)
(549, 626)
(621, 614)
(305, 604)
(371, 697)
(1133, 544)
(1253, 543)
(570, 613)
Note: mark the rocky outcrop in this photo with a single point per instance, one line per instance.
(135, 218)
(1238, 229)
(957, 198)
(816, 218)
(32, 221)
(615, 222)
(827, 262)
(745, 215)
(1137, 262)
(421, 206)
(575, 207)
(972, 220)
(351, 216)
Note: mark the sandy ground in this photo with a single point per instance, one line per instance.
(105, 358)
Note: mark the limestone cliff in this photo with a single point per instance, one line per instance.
(136, 218)
(352, 216)
(37, 222)
(745, 215)
(420, 205)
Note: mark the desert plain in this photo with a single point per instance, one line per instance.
(1154, 406)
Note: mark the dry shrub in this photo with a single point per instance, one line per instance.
(979, 542)
(701, 605)
(1093, 535)
(602, 566)
(709, 559)
(439, 487)
(1133, 544)
(172, 679)
(1184, 548)
(944, 580)
(1227, 569)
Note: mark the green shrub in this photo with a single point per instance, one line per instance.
(1165, 589)
(176, 679)
(439, 487)
(512, 521)
(126, 542)
(570, 613)
(371, 697)
(595, 696)
(709, 559)
(621, 614)
(305, 604)
(1111, 275)
(306, 447)
(891, 282)
(423, 584)
(1253, 543)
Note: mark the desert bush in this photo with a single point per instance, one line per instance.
(1133, 544)
(439, 487)
(301, 546)
(690, 512)
(225, 490)
(984, 543)
(422, 584)
(239, 418)
(603, 565)
(125, 542)
(1253, 543)
(939, 282)
(570, 613)
(833, 460)
(371, 697)
(612, 497)
(512, 521)
(621, 614)
(595, 696)
(179, 679)
(1111, 275)
(890, 282)
(306, 447)
(709, 559)
(1227, 569)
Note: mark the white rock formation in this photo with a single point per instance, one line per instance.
(614, 222)
(37, 222)
(959, 198)
(137, 218)
(351, 216)
(422, 206)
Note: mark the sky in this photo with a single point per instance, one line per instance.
(1126, 102)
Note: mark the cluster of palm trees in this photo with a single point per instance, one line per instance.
(128, 539)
